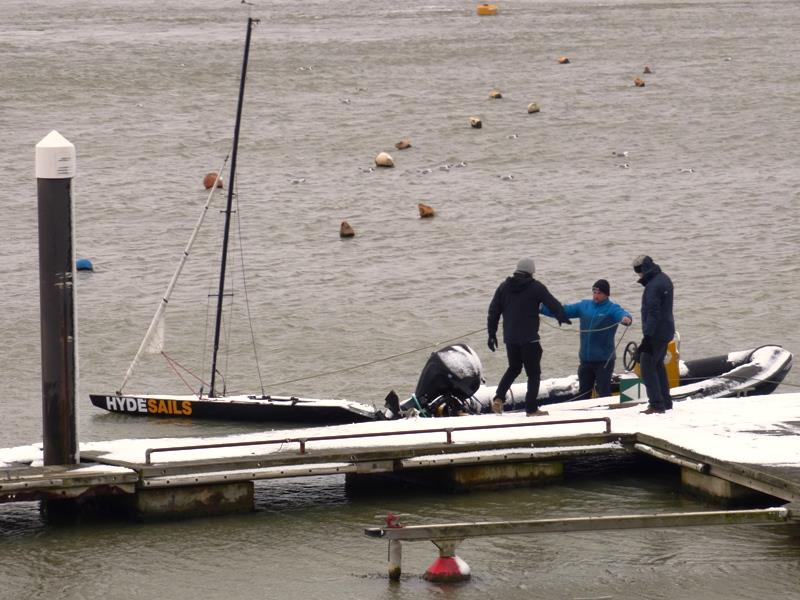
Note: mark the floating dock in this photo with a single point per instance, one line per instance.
(725, 448)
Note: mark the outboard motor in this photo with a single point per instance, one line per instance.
(447, 382)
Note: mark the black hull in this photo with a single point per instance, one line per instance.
(263, 410)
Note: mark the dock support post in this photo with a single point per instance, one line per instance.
(448, 568)
(395, 559)
(721, 490)
(193, 501)
(55, 168)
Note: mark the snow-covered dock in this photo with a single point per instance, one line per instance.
(720, 444)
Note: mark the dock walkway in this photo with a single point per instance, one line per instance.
(752, 442)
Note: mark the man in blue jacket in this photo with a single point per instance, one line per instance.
(517, 300)
(599, 319)
(658, 328)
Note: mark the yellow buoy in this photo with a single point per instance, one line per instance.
(487, 9)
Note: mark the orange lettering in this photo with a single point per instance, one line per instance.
(152, 405)
(186, 407)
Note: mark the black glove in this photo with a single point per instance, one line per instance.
(564, 321)
(645, 345)
(492, 342)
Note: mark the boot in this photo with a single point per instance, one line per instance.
(497, 405)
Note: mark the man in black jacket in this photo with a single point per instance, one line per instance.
(658, 328)
(517, 300)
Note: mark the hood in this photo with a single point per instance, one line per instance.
(519, 282)
(649, 270)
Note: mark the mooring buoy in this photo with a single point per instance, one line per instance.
(384, 159)
(425, 211)
(210, 178)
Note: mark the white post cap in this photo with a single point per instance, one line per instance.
(55, 157)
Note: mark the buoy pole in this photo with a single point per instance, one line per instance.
(55, 168)
(395, 559)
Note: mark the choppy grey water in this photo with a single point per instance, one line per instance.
(147, 93)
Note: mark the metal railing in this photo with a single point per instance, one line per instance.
(304, 440)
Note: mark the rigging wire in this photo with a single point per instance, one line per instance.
(247, 299)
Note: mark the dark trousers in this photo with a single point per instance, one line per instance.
(593, 374)
(654, 374)
(519, 356)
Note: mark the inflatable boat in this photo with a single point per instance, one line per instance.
(450, 383)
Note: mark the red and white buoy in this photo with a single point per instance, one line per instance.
(447, 569)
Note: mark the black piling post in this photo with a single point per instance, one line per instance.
(55, 168)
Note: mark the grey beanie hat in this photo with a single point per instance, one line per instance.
(525, 265)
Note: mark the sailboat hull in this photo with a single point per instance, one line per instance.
(237, 408)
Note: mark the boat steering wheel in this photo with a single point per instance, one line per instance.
(631, 356)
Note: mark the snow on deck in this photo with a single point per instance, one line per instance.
(756, 429)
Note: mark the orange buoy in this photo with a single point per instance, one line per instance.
(346, 231)
(403, 144)
(563, 60)
(210, 178)
(495, 94)
(638, 82)
(487, 9)
(425, 211)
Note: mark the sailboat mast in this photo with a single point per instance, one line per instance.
(229, 208)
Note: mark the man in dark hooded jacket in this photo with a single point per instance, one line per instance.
(517, 300)
(658, 328)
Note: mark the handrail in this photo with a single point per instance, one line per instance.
(302, 441)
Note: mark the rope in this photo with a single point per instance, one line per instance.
(374, 362)
(559, 328)
(172, 363)
(614, 352)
